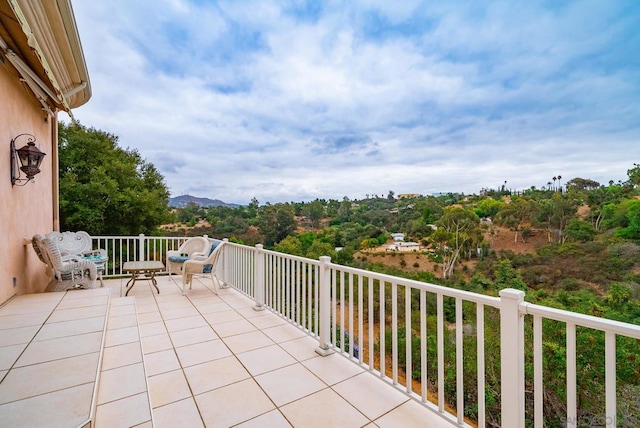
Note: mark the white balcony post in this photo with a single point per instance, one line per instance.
(258, 277)
(141, 247)
(512, 357)
(325, 307)
(225, 260)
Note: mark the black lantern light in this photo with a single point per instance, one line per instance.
(27, 158)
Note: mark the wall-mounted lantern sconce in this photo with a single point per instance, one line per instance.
(26, 159)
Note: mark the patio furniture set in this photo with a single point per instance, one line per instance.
(75, 265)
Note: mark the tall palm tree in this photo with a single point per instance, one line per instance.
(554, 182)
(560, 183)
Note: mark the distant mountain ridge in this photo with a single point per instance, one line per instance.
(184, 200)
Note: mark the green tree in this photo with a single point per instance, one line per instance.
(581, 184)
(489, 207)
(319, 248)
(634, 176)
(290, 245)
(632, 223)
(517, 215)
(107, 190)
(344, 211)
(276, 222)
(507, 277)
(457, 230)
(598, 198)
(315, 211)
(580, 231)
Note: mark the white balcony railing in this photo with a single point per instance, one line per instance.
(426, 340)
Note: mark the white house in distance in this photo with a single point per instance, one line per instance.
(397, 237)
(407, 246)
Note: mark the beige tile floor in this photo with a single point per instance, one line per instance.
(50, 348)
(192, 361)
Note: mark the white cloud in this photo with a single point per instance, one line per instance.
(295, 101)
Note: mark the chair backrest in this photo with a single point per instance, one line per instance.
(53, 251)
(212, 260)
(37, 242)
(197, 244)
(71, 242)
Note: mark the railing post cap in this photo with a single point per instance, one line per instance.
(325, 259)
(225, 240)
(259, 246)
(512, 293)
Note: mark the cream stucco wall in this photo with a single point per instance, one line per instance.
(26, 210)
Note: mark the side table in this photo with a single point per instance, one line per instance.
(142, 270)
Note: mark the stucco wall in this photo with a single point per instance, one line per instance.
(24, 210)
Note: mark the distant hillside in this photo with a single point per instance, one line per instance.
(183, 200)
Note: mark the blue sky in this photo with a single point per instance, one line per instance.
(297, 100)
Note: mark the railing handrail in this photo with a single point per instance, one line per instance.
(293, 257)
(427, 286)
(581, 320)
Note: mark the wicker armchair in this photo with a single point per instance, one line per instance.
(78, 245)
(204, 265)
(69, 271)
(192, 247)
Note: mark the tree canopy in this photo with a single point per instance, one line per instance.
(105, 189)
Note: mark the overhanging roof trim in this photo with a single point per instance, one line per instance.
(58, 97)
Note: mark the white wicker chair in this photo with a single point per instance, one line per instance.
(69, 272)
(78, 245)
(202, 265)
(192, 247)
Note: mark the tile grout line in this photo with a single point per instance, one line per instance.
(96, 384)
(34, 336)
(139, 341)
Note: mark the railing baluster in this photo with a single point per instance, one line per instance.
(259, 284)
(610, 378)
(424, 378)
(325, 296)
(538, 383)
(572, 408)
(351, 315)
(440, 304)
(394, 332)
(291, 289)
(342, 302)
(459, 362)
(299, 301)
(383, 323)
(480, 359)
(303, 282)
(334, 303)
(316, 274)
(141, 247)
(279, 281)
(370, 312)
(360, 319)
(407, 338)
(275, 292)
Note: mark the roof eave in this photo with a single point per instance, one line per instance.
(50, 35)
